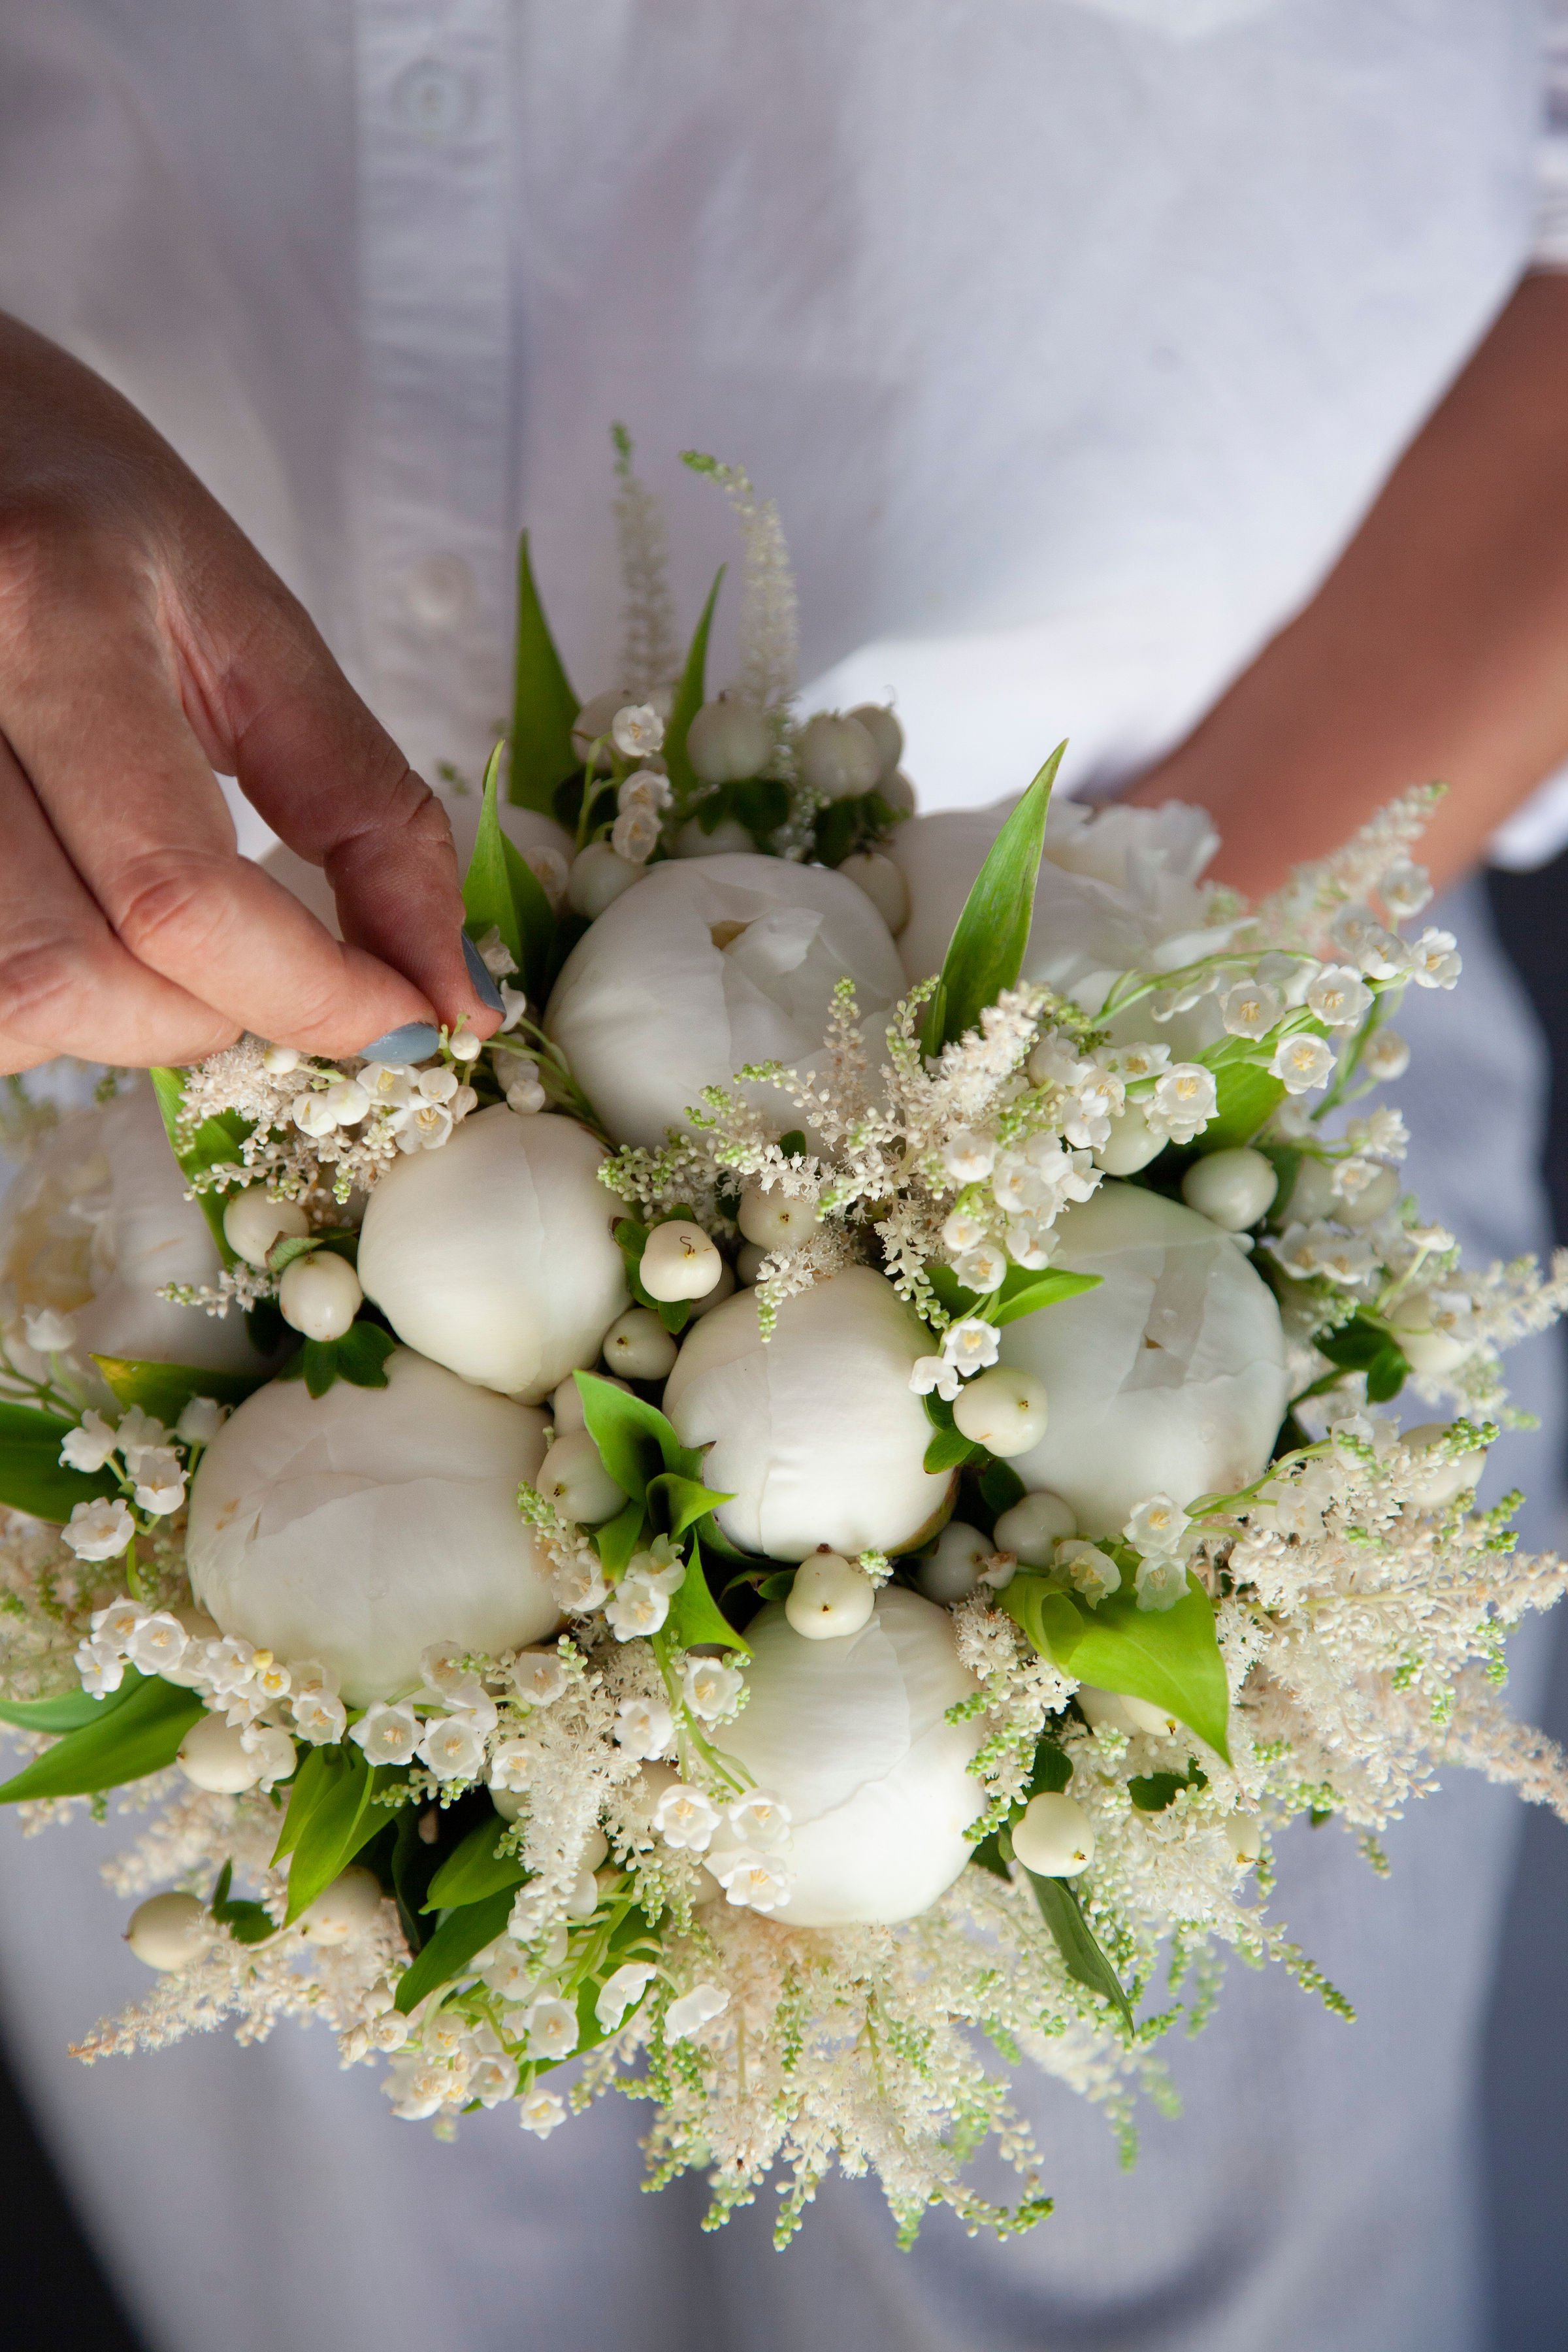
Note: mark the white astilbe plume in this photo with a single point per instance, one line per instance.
(649, 655)
(770, 618)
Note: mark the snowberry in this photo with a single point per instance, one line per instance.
(883, 883)
(1436, 1482)
(346, 1908)
(882, 725)
(169, 1931)
(775, 1220)
(575, 1481)
(1232, 1189)
(254, 1220)
(680, 1262)
(1243, 1835)
(728, 838)
(596, 720)
(566, 1405)
(1004, 1410)
(728, 741)
(1374, 1200)
(830, 1596)
(1054, 1836)
(212, 1756)
(599, 873)
(837, 757)
(1034, 1526)
(638, 1346)
(319, 1294)
(953, 1570)
(1132, 1143)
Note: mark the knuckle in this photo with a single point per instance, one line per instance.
(169, 906)
(45, 983)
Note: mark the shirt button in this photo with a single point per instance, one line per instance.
(441, 592)
(432, 100)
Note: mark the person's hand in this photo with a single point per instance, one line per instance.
(143, 645)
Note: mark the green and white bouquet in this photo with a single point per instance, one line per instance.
(804, 1514)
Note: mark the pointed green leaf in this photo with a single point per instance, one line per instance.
(950, 1450)
(618, 1537)
(32, 1476)
(1169, 1656)
(248, 1923)
(1047, 1289)
(475, 1870)
(687, 1500)
(321, 1769)
(688, 700)
(1075, 1939)
(501, 892)
(634, 1438)
(343, 1820)
(359, 1357)
(215, 1141)
(986, 952)
(543, 704)
(695, 1617)
(1248, 1095)
(125, 1743)
(165, 1389)
(460, 1935)
(69, 1711)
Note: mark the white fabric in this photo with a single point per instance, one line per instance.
(1073, 336)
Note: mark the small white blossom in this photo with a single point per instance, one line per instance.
(90, 1447)
(319, 1715)
(621, 1992)
(453, 1747)
(1132, 1062)
(1302, 1062)
(201, 1420)
(1157, 1525)
(759, 1820)
(539, 1678)
(550, 2028)
(752, 1881)
(100, 1668)
(492, 2080)
(1433, 1238)
(1339, 996)
(1351, 1177)
(99, 1530)
(273, 1750)
(972, 1345)
(1405, 889)
(982, 1269)
(969, 1155)
(417, 2087)
(424, 1127)
(637, 730)
(962, 1230)
(496, 957)
(1030, 1243)
(1382, 955)
(347, 1101)
(644, 1727)
(637, 1607)
(524, 1094)
(139, 1434)
(160, 1480)
(48, 1333)
(159, 1642)
(388, 1735)
(1383, 1132)
(116, 1626)
(541, 2113)
(645, 790)
(548, 867)
(1434, 963)
(389, 1085)
(710, 1689)
(579, 1585)
(934, 1374)
(684, 1817)
(1183, 1103)
(511, 1763)
(514, 1008)
(635, 834)
(1161, 1581)
(693, 2011)
(438, 1085)
(1251, 1009)
(1090, 1571)
(311, 1116)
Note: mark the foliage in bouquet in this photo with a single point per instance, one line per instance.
(805, 1511)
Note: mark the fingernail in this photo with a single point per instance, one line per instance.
(415, 1042)
(485, 988)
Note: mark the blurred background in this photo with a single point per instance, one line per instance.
(57, 2294)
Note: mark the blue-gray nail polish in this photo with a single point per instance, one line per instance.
(485, 988)
(415, 1042)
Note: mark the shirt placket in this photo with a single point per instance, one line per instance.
(434, 507)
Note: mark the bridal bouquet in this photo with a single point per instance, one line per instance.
(805, 1511)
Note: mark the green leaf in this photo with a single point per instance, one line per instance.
(69, 1711)
(318, 1770)
(165, 1389)
(618, 1537)
(949, 1449)
(125, 1743)
(986, 952)
(542, 705)
(1000, 1488)
(688, 700)
(215, 1141)
(762, 805)
(1037, 1290)
(359, 1357)
(1052, 1770)
(695, 1616)
(1365, 1344)
(475, 1871)
(1247, 1095)
(248, 1923)
(673, 1313)
(1075, 1939)
(1152, 1791)
(1169, 1656)
(502, 893)
(1386, 1376)
(340, 1820)
(462, 1933)
(687, 1500)
(32, 1476)
(633, 1437)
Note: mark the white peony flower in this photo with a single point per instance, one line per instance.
(710, 963)
(496, 1255)
(98, 1222)
(359, 1527)
(851, 1735)
(816, 1434)
(1167, 1378)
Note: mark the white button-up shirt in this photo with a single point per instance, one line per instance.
(1072, 336)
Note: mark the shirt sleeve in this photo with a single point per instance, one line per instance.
(1551, 248)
